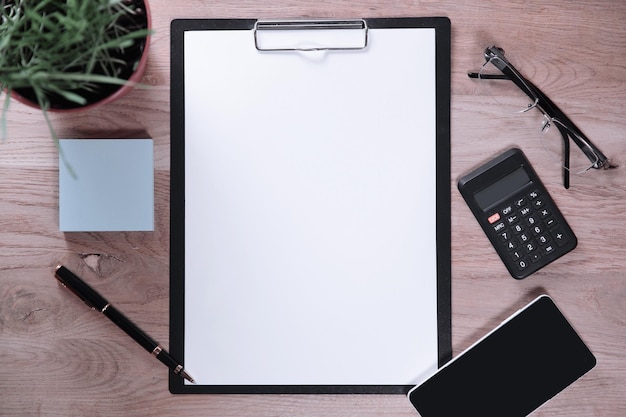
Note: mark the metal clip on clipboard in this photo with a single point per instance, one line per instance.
(310, 35)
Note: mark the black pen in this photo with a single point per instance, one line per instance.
(98, 302)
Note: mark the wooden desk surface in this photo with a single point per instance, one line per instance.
(58, 358)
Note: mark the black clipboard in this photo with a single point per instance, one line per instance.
(212, 155)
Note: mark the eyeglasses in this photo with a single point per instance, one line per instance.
(519, 95)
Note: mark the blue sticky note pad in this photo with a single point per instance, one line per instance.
(108, 186)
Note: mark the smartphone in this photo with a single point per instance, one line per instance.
(515, 368)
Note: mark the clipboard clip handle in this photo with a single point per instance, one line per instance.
(310, 35)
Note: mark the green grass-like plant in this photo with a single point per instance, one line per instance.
(64, 49)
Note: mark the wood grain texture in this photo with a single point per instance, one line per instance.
(59, 358)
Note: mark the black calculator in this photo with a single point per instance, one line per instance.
(517, 214)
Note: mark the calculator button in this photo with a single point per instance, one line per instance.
(518, 228)
(510, 245)
(504, 236)
(538, 203)
(523, 238)
(520, 202)
(551, 222)
(559, 236)
(512, 219)
(516, 255)
(525, 211)
(507, 210)
(544, 212)
(531, 220)
(499, 227)
(548, 249)
(533, 195)
(530, 246)
(521, 265)
(543, 239)
(493, 218)
(535, 256)
(537, 230)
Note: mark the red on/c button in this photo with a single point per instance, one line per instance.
(493, 218)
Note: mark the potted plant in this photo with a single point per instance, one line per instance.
(67, 55)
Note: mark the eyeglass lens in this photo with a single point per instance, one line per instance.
(551, 136)
(506, 93)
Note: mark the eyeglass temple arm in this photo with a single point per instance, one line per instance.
(566, 151)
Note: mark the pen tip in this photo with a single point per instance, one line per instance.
(188, 377)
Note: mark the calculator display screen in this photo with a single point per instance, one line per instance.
(500, 189)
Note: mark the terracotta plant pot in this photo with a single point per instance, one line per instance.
(108, 93)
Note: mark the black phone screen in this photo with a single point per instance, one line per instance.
(521, 364)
